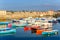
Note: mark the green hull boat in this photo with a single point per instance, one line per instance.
(19, 25)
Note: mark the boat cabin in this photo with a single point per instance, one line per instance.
(3, 25)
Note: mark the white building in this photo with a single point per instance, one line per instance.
(2, 12)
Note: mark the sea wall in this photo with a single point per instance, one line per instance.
(23, 14)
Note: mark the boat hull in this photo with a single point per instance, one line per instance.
(8, 32)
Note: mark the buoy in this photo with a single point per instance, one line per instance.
(9, 25)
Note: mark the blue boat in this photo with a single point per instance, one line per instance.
(7, 31)
(4, 30)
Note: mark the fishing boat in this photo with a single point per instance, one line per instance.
(42, 27)
(5, 30)
(19, 25)
(50, 33)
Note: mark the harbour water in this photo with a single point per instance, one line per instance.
(21, 35)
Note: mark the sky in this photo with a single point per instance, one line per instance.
(29, 5)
